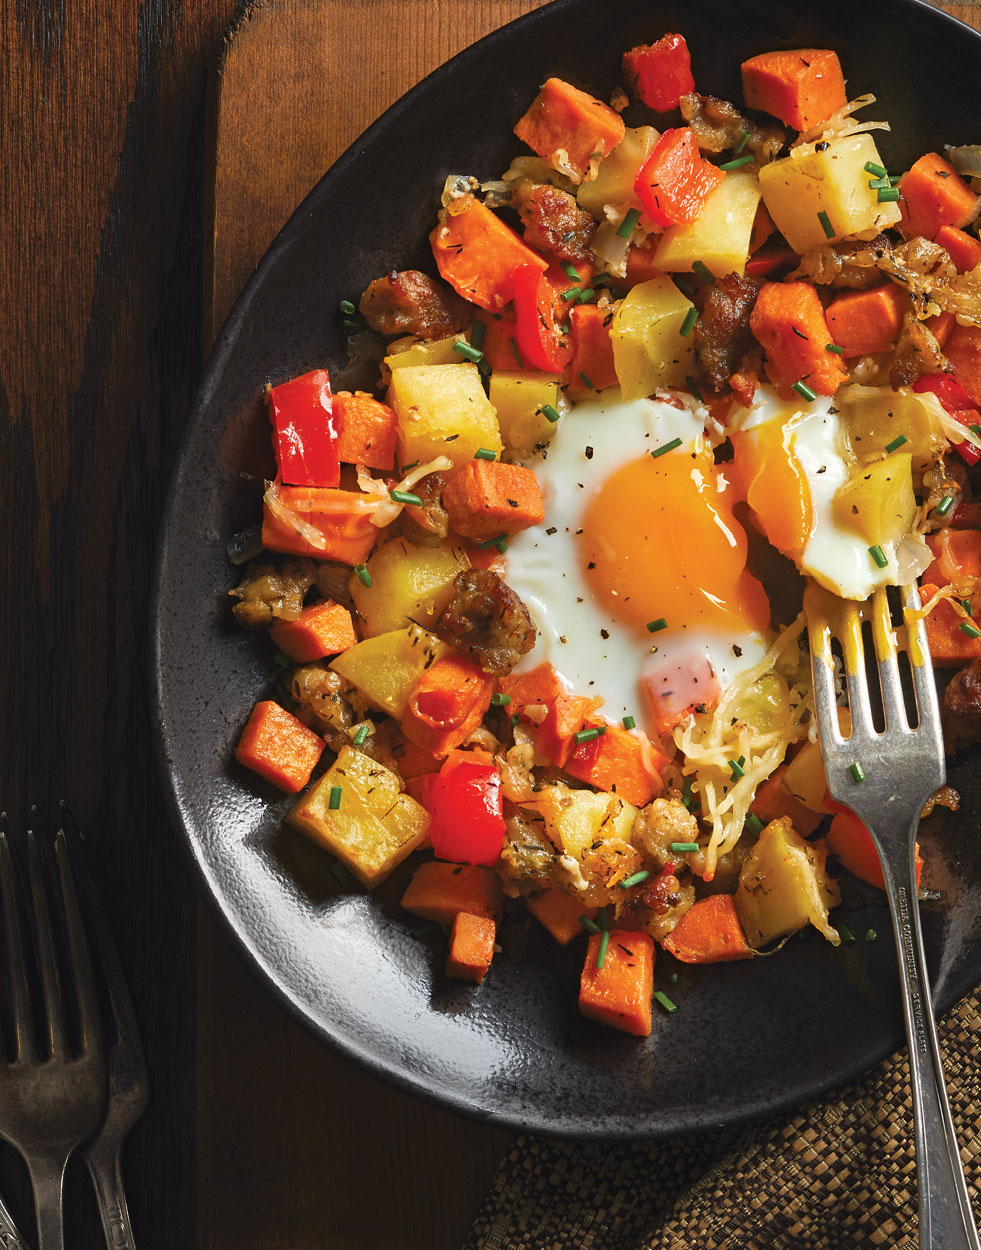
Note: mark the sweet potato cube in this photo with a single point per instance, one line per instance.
(564, 119)
(279, 747)
(486, 498)
(439, 891)
(471, 946)
(863, 322)
(962, 248)
(367, 429)
(619, 994)
(320, 630)
(801, 87)
(322, 522)
(592, 350)
(622, 762)
(963, 350)
(933, 194)
(447, 703)
(559, 913)
(710, 932)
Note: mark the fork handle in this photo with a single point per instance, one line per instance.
(105, 1168)
(48, 1179)
(946, 1218)
(10, 1238)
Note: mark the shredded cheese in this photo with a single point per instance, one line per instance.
(384, 507)
(840, 124)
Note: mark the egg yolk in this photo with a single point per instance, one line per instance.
(660, 541)
(774, 485)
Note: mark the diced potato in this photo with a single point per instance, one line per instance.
(375, 826)
(410, 352)
(385, 668)
(648, 348)
(784, 885)
(873, 416)
(575, 819)
(442, 411)
(719, 236)
(878, 502)
(519, 398)
(409, 585)
(617, 173)
(834, 181)
(805, 777)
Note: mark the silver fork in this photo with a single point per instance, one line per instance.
(885, 778)
(51, 1099)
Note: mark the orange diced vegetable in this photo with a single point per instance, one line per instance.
(800, 87)
(592, 350)
(477, 253)
(674, 181)
(942, 326)
(413, 761)
(624, 763)
(485, 498)
(499, 346)
(774, 800)
(950, 645)
(619, 994)
(863, 322)
(851, 842)
(957, 556)
(471, 947)
(640, 264)
(963, 249)
(278, 747)
(322, 629)
(485, 558)
(933, 194)
(659, 73)
(564, 119)
(447, 704)
(789, 322)
(963, 350)
(559, 913)
(773, 255)
(317, 521)
(563, 715)
(709, 933)
(439, 891)
(763, 227)
(367, 430)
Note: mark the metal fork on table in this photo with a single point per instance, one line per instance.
(53, 1096)
(885, 776)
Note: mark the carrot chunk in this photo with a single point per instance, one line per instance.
(675, 179)
(278, 747)
(709, 933)
(323, 522)
(439, 891)
(559, 913)
(624, 763)
(949, 645)
(367, 430)
(659, 73)
(774, 800)
(963, 249)
(619, 993)
(564, 119)
(933, 194)
(800, 87)
(963, 350)
(789, 322)
(849, 840)
(471, 947)
(322, 629)
(447, 704)
(477, 253)
(863, 322)
(486, 498)
(592, 350)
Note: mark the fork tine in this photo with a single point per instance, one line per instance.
(819, 637)
(47, 964)
(884, 635)
(20, 1001)
(85, 992)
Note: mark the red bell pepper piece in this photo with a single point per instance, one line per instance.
(541, 344)
(659, 73)
(675, 179)
(966, 516)
(304, 430)
(467, 811)
(957, 402)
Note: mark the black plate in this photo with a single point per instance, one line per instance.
(747, 1038)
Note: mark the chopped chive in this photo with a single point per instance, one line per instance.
(500, 700)
(846, 933)
(626, 227)
(736, 769)
(804, 391)
(742, 142)
(826, 226)
(879, 558)
(363, 576)
(573, 293)
(587, 382)
(492, 542)
(664, 1001)
(515, 718)
(870, 935)
(967, 605)
(655, 627)
(282, 660)
(857, 772)
(629, 722)
(334, 802)
(871, 167)
(833, 347)
(876, 184)
(549, 412)
(570, 271)
(754, 824)
(702, 270)
(691, 316)
(352, 327)
(589, 925)
(975, 429)
(478, 332)
(471, 353)
(347, 308)
(359, 737)
(601, 279)
(407, 468)
(665, 448)
(517, 354)
(686, 792)
(403, 496)
(972, 631)
(587, 295)
(501, 545)
(739, 162)
(690, 383)
(897, 442)
(484, 453)
(588, 735)
(683, 848)
(604, 943)
(887, 195)
(894, 178)
(628, 882)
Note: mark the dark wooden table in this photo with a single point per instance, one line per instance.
(105, 151)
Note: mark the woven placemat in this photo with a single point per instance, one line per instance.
(837, 1174)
